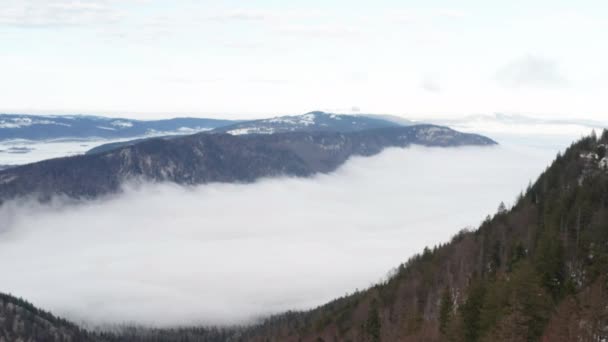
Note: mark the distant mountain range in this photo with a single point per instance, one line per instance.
(44, 127)
(310, 122)
(216, 157)
(520, 119)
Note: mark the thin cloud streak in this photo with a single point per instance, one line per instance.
(58, 13)
(533, 71)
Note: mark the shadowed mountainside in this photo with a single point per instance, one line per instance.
(204, 158)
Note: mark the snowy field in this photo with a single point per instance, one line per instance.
(18, 151)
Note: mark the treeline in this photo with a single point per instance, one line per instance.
(22, 321)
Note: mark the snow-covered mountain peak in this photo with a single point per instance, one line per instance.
(311, 121)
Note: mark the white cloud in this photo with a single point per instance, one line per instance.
(531, 70)
(263, 15)
(247, 15)
(119, 47)
(164, 254)
(427, 15)
(57, 13)
(299, 22)
(321, 30)
(429, 84)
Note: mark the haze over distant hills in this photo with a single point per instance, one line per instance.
(501, 123)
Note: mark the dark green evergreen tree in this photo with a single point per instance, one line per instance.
(445, 310)
(373, 322)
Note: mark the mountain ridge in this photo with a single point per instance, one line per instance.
(203, 158)
(308, 122)
(315, 121)
(47, 127)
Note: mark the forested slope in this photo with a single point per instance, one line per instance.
(535, 272)
(21, 321)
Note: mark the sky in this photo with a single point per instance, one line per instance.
(243, 59)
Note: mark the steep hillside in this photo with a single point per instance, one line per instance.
(45, 127)
(309, 122)
(21, 321)
(204, 158)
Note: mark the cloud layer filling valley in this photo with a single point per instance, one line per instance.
(223, 253)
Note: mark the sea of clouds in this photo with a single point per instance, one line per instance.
(163, 254)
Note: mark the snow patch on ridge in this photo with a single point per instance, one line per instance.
(306, 119)
(25, 122)
(121, 124)
(251, 130)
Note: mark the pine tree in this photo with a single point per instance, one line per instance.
(502, 208)
(372, 325)
(445, 310)
(471, 311)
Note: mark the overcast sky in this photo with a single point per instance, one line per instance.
(153, 58)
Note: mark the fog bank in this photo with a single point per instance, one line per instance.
(164, 254)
